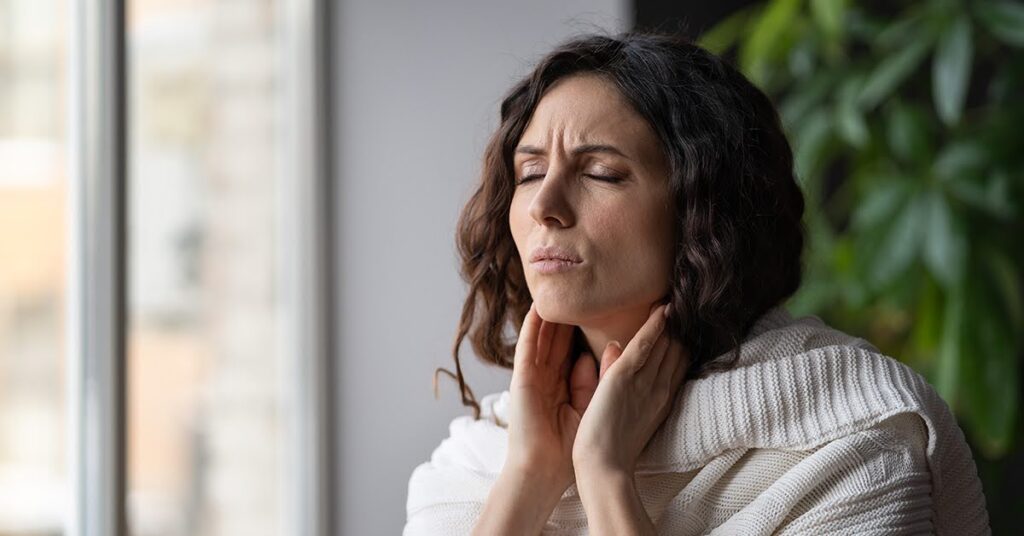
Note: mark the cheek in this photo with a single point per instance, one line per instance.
(517, 222)
(622, 227)
(635, 243)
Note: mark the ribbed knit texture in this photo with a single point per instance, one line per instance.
(813, 432)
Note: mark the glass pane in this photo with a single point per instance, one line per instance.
(205, 426)
(33, 94)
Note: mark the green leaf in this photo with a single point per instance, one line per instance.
(908, 132)
(767, 38)
(902, 29)
(951, 70)
(727, 32)
(999, 195)
(802, 60)
(989, 194)
(811, 140)
(989, 366)
(851, 127)
(927, 330)
(1006, 82)
(1004, 19)
(947, 371)
(960, 158)
(888, 74)
(1007, 283)
(880, 202)
(992, 391)
(945, 246)
(850, 123)
(828, 14)
(860, 25)
(902, 242)
(807, 96)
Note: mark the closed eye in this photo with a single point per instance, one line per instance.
(528, 178)
(605, 178)
(602, 178)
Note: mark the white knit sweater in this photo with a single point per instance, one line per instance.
(813, 432)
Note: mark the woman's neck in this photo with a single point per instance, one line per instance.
(620, 326)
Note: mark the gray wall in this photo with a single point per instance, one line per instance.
(418, 87)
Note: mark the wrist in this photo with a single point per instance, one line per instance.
(601, 467)
(594, 477)
(612, 504)
(520, 502)
(540, 471)
(538, 475)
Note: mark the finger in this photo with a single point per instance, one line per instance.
(583, 382)
(654, 366)
(674, 368)
(544, 336)
(612, 352)
(668, 360)
(560, 345)
(640, 346)
(528, 336)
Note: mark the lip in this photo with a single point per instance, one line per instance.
(553, 259)
(553, 266)
(554, 253)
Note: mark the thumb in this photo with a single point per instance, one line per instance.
(583, 382)
(612, 352)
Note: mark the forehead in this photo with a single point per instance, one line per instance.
(589, 109)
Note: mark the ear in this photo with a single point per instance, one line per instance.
(583, 382)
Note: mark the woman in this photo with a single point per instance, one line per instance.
(639, 224)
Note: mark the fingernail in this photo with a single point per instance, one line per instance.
(668, 309)
(617, 345)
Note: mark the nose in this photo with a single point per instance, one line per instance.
(551, 204)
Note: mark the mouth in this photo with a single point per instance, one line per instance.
(553, 265)
(554, 253)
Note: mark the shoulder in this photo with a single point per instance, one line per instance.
(874, 479)
(892, 450)
(447, 489)
(476, 444)
(890, 453)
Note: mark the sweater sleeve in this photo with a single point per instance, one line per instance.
(446, 494)
(881, 485)
(441, 502)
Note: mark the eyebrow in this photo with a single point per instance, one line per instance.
(586, 148)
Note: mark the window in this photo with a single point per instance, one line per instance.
(205, 396)
(165, 289)
(33, 192)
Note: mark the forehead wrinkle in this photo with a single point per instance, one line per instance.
(589, 133)
(603, 115)
(586, 141)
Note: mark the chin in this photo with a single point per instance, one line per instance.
(558, 312)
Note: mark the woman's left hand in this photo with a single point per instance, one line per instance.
(633, 396)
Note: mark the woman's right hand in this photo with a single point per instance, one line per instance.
(543, 414)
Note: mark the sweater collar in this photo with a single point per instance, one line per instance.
(773, 318)
(797, 384)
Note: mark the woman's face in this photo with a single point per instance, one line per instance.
(582, 135)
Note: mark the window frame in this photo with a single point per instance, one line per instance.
(97, 276)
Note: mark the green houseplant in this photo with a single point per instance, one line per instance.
(907, 120)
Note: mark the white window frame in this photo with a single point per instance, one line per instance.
(97, 272)
(307, 255)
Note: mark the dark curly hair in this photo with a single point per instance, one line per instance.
(737, 206)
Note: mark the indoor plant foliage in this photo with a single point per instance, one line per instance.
(907, 121)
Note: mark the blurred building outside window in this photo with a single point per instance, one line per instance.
(33, 193)
(207, 399)
(204, 395)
